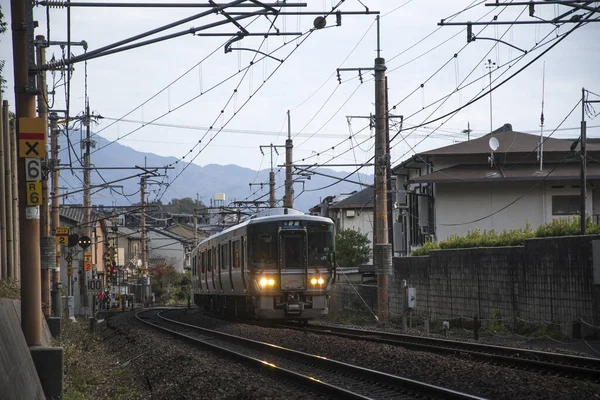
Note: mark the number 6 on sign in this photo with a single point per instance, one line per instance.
(34, 193)
(33, 169)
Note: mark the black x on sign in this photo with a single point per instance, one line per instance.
(32, 148)
(32, 142)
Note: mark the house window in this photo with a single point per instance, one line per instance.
(565, 205)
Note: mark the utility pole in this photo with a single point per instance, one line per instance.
(3, 214)
(87, 203)
(583, 185)
(272, 201)
(55, 210)
(143, 221)
(382, 246)
(382, 251)
(14, 192)
(29, 219)
(289, 184)
(47, 243)
(196, 223)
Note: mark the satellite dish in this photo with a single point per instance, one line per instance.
(494, 143)
(319, 22)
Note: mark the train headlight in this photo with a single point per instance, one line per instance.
(271, 282)
(317, 281)
(320, 281)
(263, 282)
(313, 281)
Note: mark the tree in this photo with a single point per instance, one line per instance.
(352, 248)
(3, 26)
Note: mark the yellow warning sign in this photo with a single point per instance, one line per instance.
(34, 193)
(32, 141)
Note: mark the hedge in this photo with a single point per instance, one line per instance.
(513, 237)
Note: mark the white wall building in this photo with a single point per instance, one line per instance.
(457, 188)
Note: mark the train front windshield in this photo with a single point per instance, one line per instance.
(320, 243)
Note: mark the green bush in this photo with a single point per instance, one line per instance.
(426, 248)
(513, 237)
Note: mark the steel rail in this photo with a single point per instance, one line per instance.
(360, 376)
(585, 367)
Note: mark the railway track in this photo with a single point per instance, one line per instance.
(568, 365)
(338, 379)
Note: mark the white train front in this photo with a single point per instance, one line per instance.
(278, 264)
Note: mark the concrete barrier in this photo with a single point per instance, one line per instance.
(18, 376)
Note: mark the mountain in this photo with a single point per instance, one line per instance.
(232, 180)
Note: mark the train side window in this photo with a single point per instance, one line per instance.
(203, 262)
(210, 260)
(224, 256)
(236, 254)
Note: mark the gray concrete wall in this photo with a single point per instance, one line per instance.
(18, 376)
(544, 281)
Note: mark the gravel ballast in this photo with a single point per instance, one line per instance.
(166, 368)
(458, 373)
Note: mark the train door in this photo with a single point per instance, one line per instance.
(230, 269)
(203, 271)
(293, 259)
(244, 266)
(210, 272)
(224, 279)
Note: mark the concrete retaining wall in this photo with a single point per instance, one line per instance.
(555, 280)
(18, 376)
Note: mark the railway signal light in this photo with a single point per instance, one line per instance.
(85, 242)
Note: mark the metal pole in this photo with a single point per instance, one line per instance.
(382, 247)
(3, 214)
(289, 184)
(31, 298)
(87, 212)
(42, 101)
(583, 184)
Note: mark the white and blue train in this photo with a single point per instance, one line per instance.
(278, 264)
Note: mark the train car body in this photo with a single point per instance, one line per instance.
(278, 264)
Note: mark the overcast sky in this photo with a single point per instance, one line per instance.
(306, 83)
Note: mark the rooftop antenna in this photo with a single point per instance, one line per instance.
(494, 145)
(468, 131)
(541, 146)
(490, 65)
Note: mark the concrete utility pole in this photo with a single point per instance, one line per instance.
(3, 215)
(289, 178)
(272, 200)
(383, 256)
(14, 194)
(55, 210)
(382, 249)
(196, 222)
(87, 203)
(583, 184)
(143, 221)
(29, 219)
(47, 243)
